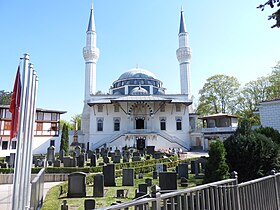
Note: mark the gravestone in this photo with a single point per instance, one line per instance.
(51, 154)
(192, 166)
(183, 170)
(106, 159)
(109, 175)
(77, 151)
(159, 167)
(57, 163)
(117, 152)
(149, 182)
(81, 160)
(125, 157)
(157, 155)
(140, 175)
(93, 160)
(143, 188)
(97, 151)
(11, 162)
(98, 185)
(73, 162)
(101, 164)
(67, 161)
(155, 174)
(150, 150)
(127, 177)
(164, 167)
(117, 159)
(184, 182)
(64, 205)
(168, 181)
(120, 193)
(76, 185)
(89, 204)
(89, 153)
(136, 154)
(199, 167)
(61, 155)
(136, 158)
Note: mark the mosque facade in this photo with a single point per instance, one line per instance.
(137, 112)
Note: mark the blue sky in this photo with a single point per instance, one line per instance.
(226, 37)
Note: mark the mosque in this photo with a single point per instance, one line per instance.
(137, 112)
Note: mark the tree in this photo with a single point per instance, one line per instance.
(216, 167)
(64, 142)
(64, 122)
(275, 15)
(218, 95)
(270, 133)
(77, 119)
(5, 97)
(274, 79)
(249, 153)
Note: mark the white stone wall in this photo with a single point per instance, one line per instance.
(270, 114)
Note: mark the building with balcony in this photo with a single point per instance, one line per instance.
(217, 126)
(46, 131)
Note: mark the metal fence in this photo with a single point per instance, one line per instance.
(37, 190)
(259, 194)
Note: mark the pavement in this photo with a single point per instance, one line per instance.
(6, 192)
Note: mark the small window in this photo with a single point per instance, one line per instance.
(7, 125)
(100, 125)
(8, 114)
(4, 145)
(14, 144)
(116, 108)
(52, 143)
(54, 127)
(178, 108)
(40, 116)
(100, 108)
(54, 117)
(116, 125)
(162, 124)
(39, 126)
(178, 124)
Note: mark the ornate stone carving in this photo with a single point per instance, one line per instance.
(184, 54)
(91, 54)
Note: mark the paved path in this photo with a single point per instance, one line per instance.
(6, 191)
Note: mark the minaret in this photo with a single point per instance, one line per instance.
(184, 55)
(91, 55)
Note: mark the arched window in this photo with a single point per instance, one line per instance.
(116, 125)
(100, 125)
(163, 124)
(179, 124)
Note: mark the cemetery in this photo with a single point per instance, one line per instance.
(105, 177)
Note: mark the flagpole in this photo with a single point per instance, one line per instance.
(34, 85)
(18, 160)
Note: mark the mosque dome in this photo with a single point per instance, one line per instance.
(139, 91)
(137, 73)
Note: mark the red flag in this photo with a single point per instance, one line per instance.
(15, 104)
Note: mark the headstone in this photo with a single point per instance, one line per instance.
(97, 151)
(61, 155)
(136, 158)
(127, 177)
(164, 167)
(77, 151)
(136, 154)
(143, 188)
(168, 180)
(76, 185)
(89, 204)
(11, 162)
(157, 155)
(184, 182)
(183, 170)
(89, 153)
(67, 161)
(159, 167)
(192, 166)
(101, 164)
(57, 163)
(117, 152)
(149, 182)
(93, 160)
(98, 185)
(73, 162)
(140, 175)
(120, 193)
(51, 154)
(81, 160)
(199, 167)
(125, 157)
(109, 175)
(106, 159)
(117, 159)
(155, 174)
(64, 205)
(150, 150)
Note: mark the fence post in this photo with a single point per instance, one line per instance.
(273, 173)
(234, 175)
(155, 194)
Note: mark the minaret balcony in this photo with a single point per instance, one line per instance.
(184, 54)
(91, 53)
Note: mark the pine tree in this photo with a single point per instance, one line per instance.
(216, 167)
(64, 142)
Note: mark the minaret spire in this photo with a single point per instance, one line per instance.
(91, 55)
(184, 55)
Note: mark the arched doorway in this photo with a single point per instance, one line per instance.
(141, 143)
(140, 123)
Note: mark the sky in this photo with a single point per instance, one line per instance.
(226, 37)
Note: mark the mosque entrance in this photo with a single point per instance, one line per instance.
(140, 123)
(141, 143)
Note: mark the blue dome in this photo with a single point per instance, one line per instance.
(137, 73)
(139, 91)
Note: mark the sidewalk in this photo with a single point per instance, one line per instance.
(6, 191)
